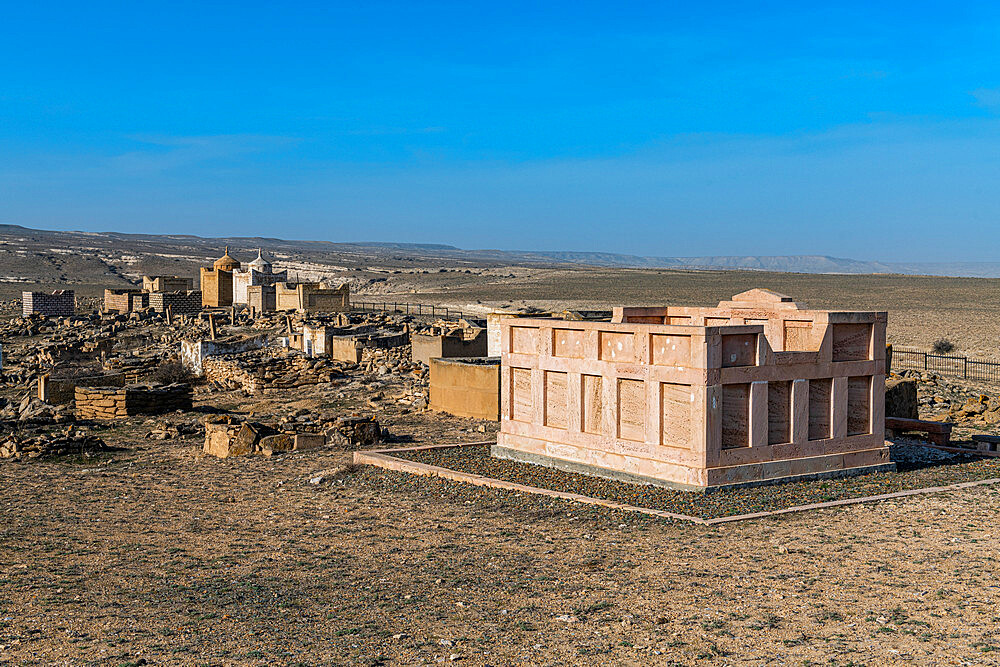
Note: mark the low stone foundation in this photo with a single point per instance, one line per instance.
(621, 476)
(105, 403)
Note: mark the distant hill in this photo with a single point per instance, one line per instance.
(781, 264)
(98, 259)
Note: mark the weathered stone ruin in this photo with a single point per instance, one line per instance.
(195, 352)
(229, 436)
(33, 444)
(104, 403)
(450, 342)
(256, 370)
(348, 343)
(125, 300)
(262, 298)
(176, 303)
(155, 296)
(157, 284)
(62, 390)
(312, 297)
(756, 390)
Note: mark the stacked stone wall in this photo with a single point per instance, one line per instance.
(62, 391)
(254, 373)
(105, 403)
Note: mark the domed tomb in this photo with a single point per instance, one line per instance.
(259, 263)
(226, 262)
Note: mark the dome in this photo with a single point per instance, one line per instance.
(226, 263)
(260, 264)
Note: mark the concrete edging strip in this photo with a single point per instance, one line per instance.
(382, 458)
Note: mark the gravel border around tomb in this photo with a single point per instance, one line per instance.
(920, 468)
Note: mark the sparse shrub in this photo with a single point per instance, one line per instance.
(943, 346)
(170, 372)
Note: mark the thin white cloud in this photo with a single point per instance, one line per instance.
(988, 98)
(162, 152)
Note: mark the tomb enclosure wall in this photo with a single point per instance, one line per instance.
(466, 387)
(194, 352)
(261, 298)
(707, 403)
(312, 297)
(60, 303)
(107, 403)
(180, 303)
(167, 284)
(427, 346)
(62, 391)
(125, 300)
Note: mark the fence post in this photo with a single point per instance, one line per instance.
(925, 361)
(965, 367)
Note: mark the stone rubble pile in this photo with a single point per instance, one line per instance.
(940, 398)
(173, 431)
(354, 432)
(30, 410)
(979, 410)
(31, 446)
(382, 361)
(232, 435)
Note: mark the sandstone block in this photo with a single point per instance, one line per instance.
(305, 441)
(901, 399)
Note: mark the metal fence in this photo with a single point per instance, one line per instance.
(408, 308)
(964, 367)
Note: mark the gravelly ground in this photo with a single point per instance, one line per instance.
(156, 554)
(915, 470)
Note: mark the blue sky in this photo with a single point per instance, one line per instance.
(649, 128)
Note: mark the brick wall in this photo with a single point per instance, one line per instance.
(181, 303)
(61, 303)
